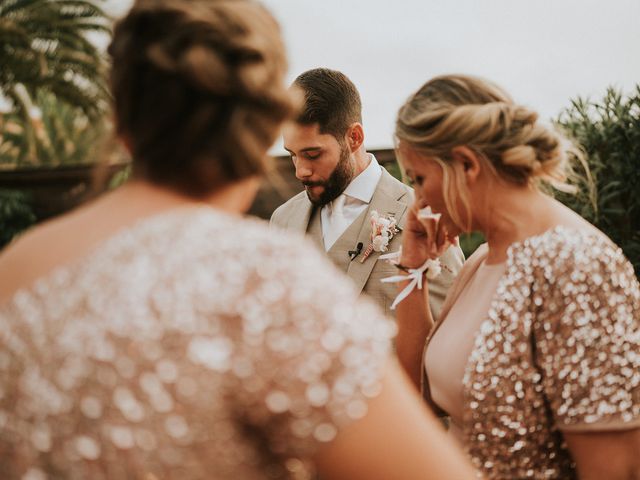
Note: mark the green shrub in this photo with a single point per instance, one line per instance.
(15, 214)
(609, 132)
(469, 242)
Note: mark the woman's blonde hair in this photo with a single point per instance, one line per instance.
(457, 110)
(199, 91)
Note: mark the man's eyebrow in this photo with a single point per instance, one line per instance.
(307, 149)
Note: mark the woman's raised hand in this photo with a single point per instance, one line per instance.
(424, 237)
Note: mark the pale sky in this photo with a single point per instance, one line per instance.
(544, 52)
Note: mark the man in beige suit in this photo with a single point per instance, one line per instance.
(343, 186)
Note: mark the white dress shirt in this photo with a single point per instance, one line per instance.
(336, 217)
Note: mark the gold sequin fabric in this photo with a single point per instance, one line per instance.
(559, 351)
(192, 345)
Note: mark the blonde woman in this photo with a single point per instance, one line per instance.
(158, 334)
(536, 357)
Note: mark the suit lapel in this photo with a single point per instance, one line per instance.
(300, 214)
(385, 202)
(314, 228)
(305, 218)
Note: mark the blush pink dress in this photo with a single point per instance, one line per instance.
(449, 350)
(557, 351)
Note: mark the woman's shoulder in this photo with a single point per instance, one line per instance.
(251, 241)
(573, 261)
(203, 232)
(565, 248)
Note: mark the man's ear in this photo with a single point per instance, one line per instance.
(355, 137)
(469, 161)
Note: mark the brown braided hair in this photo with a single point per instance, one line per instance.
(199, 92)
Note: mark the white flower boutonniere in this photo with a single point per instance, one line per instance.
(383, 229)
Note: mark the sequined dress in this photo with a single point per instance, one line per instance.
(191, 345)
(559, 351)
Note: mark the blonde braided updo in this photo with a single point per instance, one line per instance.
(199, 90)
(458, 110)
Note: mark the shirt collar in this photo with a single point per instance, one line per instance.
(364, 185)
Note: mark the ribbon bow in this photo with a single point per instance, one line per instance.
(431, 269)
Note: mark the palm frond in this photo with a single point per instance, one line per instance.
(44, 49)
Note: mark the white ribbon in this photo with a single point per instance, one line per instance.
(431, 268)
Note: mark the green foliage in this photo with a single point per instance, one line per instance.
(609, 132)
(394, 169)
(15, 214)
(52, 76)
(44, 46)
(120, 178)
(469, 242)
(62, 135)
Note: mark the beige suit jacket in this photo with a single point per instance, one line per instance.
(391, 197)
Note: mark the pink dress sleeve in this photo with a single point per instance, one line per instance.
(588, 345)
(316, 351)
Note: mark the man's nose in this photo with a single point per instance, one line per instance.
(302, 170)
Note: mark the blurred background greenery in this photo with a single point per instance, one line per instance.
(608, 130)
(54, 110)
(53, 81)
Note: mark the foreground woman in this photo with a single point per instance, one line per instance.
(158, 334)
(536, 356)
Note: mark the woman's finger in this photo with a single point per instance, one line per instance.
(430, 226)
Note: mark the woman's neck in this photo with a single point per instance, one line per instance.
(147, 197)
(512, 215)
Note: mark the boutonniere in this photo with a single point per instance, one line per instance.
(383, 229)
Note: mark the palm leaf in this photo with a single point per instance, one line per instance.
(44, 47)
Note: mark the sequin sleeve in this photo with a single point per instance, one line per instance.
(316, 351)
(588, 339)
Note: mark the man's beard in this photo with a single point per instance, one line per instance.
(337, 182)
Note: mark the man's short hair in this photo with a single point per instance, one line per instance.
(331, 100)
